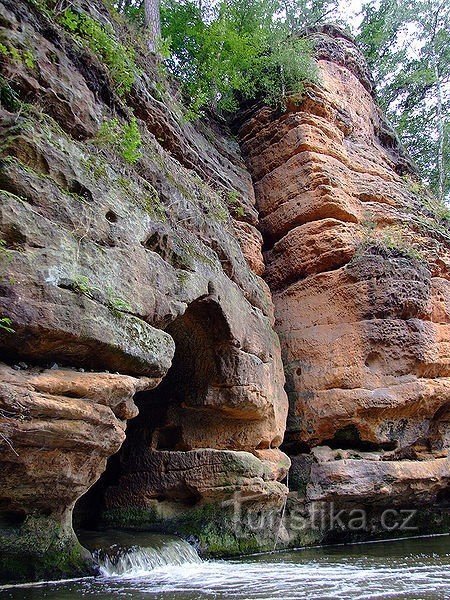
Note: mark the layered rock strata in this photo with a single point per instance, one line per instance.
(118, 273)
(358, 261)
(142, 381)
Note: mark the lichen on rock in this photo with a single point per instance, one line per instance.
(142, 375)
(360, 279)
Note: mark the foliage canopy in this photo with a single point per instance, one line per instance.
(236, 52)
(407, 45)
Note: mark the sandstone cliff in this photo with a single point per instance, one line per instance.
(143, 381)
(116, 275)
(358, 262)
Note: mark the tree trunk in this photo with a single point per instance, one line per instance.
(440, 124)
(439, 98)
(153, 23)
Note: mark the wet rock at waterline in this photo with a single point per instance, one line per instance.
(142, 381)
(117, 277)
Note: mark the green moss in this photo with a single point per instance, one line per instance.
(219, 212)
(435, 217)
(393, 241)
(233, 200)
(81, 285)
(211, 525)
(189, 250)
(124, 183)
(95, 166)
(152, 204)
(17, 55)
(183, 277)
(119, 59)
(117, 305)
(131, 517)
(5, 253)
(124, 138)
(41, 549)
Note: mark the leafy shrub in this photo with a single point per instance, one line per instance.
(131, 142)
(241, 52)
(233, 201)
(435, 216)
(21, 56)
(126, 139)
(5, 325)
(118, 58)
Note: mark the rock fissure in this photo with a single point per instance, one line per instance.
(365, 342)
(156, 271)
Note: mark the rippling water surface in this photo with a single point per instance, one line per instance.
(410, 569)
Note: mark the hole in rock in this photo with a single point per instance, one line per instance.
(13, 238)
(375, 362)
(168, 249)
(348, 438)
(443, 498)
(75, 187)
(169, 437)
(11, 518)
(170, 419)
(111, 216)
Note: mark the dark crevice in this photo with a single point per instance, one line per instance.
(348, 438)
(88, 509)
(164, 414)
(13, 238)
(75, 187)
(294, 447)
(163, 244)
(443, 498)
(111, 216)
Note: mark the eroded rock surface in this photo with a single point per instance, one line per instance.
(359, 267)
(149, 271)
(135, 294)
(58, 428)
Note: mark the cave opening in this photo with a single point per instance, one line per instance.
(168, 414)
(349, 438)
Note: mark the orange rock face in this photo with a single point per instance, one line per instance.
(359, 268)
(51, 421)
(117, 278)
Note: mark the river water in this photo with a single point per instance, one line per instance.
(165, 568)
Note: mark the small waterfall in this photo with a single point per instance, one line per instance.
(137, 561)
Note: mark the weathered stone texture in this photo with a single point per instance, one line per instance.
(359, 269)
(135, 292)
(144, 271)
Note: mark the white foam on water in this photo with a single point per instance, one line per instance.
(311, 580)
(171, 569)
(138, 562)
